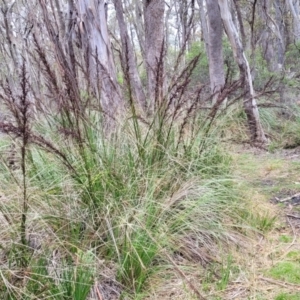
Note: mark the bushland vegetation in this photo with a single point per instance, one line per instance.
(103, 196)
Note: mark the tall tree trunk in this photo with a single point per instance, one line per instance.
(250, 106)
(128, 59)
(69, 45)
(10, 37)
(294, 9)
(204, 29)
(133, 9)
(271, 38)
(183, 15)
(279, 18)
(154, 48)
(139, 25)
(216, 61)
(95, 41)
(168, 16)
(240, 21)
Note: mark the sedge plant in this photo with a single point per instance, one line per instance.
(135, 195)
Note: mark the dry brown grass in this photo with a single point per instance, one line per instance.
(264, 174)
(261, 174)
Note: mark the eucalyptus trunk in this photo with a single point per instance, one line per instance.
(215, 53)
(250, 106)
(92, 24)
(129, 60)
(294, 9)
(154, 50)
(204, 28)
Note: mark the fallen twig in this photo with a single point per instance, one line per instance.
(289, 198)
(293, 216)
(98, 293)
(270, 105)
(283, 284)
(293, 241)
(190, 284)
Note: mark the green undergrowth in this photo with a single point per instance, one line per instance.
(281, 125)
(294, 255)
(266, 178)
(286, 296)
(117, 210)
(287, 271)
(122, 209)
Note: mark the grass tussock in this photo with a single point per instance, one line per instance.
(84, 210)
(134, 207)
(97, 201)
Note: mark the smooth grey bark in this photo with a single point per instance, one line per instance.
(288, 25)
(167, 27)
(233, 15)
(259, 35)
(10, 36)
(129, 60)
(177, 24)
(204, 29)
(267, 32)
(183, 16)
(92, 24)
(280, 11)
(216, 61)
(279, 16)
(240, 22)
(154, 50)
(250, 106)
(134, 12)
(294, 9)
(273, 39)
(187, 18)
(139, 26)
(69, 37)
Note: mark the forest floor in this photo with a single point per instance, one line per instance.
(267, 267)
(270, 266)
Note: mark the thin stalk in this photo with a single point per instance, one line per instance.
(23, 111)
(25, 199)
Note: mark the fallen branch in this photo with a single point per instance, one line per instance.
(288, 198)
(293, 216)
(270, 105)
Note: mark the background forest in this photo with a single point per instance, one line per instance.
(140, 143)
